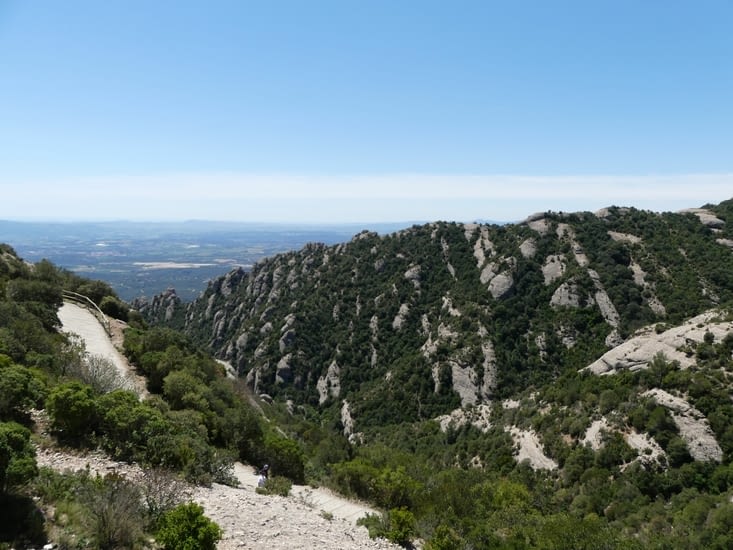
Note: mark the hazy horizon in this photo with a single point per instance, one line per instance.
(335, 112)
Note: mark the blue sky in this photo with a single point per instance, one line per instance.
(361, 111)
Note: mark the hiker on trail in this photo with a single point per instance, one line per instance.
(264, 473)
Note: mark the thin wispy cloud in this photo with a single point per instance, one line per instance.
(338, 198)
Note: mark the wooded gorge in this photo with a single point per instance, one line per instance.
(458, 376)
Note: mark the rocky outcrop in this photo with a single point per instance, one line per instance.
(163, 306)
(399, 319)
(706, 217)
(478, 416)
(673, 344)
(372, 304)
(566, 295)
(530, 449)
(624, 237)
(692, 424)
(528, 248)
(329, 385)
(502, 285)
(553, 268)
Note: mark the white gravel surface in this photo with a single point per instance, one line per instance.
(80, 321)
(248, 520)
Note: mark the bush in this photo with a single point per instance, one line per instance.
(398, 526)
(276, 485)
(162, 491)
(20, 390)
(72, 409)
(21, 523)
(99, 372)
(401, 526)
(17, 457)
(285, 457)
(115, 515)
(113, 307)
(444, 538)
(187, 528)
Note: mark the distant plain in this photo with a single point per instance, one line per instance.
(145, 258)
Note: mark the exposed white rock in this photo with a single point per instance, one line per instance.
(469, 229)
(448, 305)
(289, 321)
(568, 335)
(614, 339)
(530, 449)
(640, 280)
(284, 372)
(374, 327)
(510, 404)
(464, 383)
(725, 242)
(624, 237)
(445, 332)
(608, 310)
(637, 352)
(488, 384)
(478, 416)
(537, 216)
(639, 274)
(399, 319)
(648, 449)
(542, 225)
(528, 248)
(483, 246)
(429, 347)
(553, 268)
(501, 285)
(346, 420)
(287, 340)
(566, 295)
(594, 433)
(487, 273)
(540, 341)
(424, 324)
(706, 217)
(692, 424)
(606, 211)
(413, 275)
(330, 384)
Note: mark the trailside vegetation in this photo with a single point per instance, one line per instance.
(364, 350)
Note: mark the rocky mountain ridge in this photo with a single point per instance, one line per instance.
(474, 308)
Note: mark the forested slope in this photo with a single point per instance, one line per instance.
(560, 383)
(448, 314)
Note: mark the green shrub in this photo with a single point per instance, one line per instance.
(444, 538)
(21, 522)
(72, 409)
(401, 526)
(20, 389)
(114, 308)
(115, 514)
(285, 457)
(17, 457)
(276, 485)
(376, 524)
(187, 528)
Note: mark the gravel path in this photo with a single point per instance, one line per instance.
(248, 520)
(78, 320)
